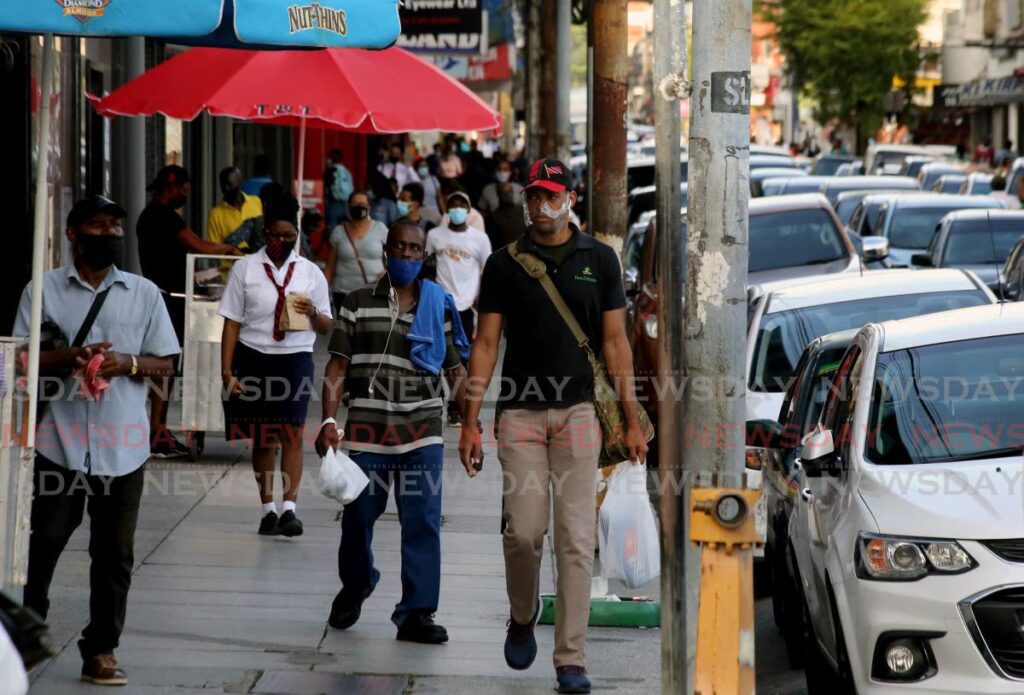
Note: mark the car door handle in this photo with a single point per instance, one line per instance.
(806, 494)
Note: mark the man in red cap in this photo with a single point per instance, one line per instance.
(548, 435)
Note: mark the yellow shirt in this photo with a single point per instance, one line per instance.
(229, 225)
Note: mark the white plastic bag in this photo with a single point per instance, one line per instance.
(627, 529)
(340, 478)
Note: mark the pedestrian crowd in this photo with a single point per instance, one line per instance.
(414, 282)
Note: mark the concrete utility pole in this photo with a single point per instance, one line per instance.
(678, 618)
(563, 58)
(549, 77)
(608, 162)
(716, 255)
(534, 80)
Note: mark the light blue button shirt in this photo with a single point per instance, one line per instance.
(111, 436)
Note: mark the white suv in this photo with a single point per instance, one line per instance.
(907, 537)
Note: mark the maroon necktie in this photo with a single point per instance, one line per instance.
(278, 333)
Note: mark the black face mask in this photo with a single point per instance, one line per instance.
(359, 212)
(101, 251)
(278, 250)
(178, 203)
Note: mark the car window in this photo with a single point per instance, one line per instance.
(879, 221)
(842, 396)
(914, 227)
(845, 209)
(981, 187)
(857, 217)
(975, 242)
(782, 336)
(792, 238)
(948, 402)
(819, 386)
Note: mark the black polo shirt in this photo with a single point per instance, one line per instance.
(544, 367)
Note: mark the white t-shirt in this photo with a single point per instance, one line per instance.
(251, 299)
(460, 261)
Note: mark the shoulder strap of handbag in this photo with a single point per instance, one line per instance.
(90, 318)
(537, 269)
(359, 261)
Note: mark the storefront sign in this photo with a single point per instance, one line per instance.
(444, 26)
(1004, 90)
(946, 96)
(496, 66)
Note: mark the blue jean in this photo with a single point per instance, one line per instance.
(417, 477)
(334, 212)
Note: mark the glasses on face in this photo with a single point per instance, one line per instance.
(402, 246)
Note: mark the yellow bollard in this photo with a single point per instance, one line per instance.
(722, 520)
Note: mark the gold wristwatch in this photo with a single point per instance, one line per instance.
(135, 366)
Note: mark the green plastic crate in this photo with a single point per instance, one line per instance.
(626, 612)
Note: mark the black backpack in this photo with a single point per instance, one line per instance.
(330, 174)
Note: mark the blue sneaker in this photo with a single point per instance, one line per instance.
(572, 679)
(520, 644)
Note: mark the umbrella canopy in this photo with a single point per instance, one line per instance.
(363, 23)
(389, 91)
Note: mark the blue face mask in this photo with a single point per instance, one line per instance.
(402, 271)
(458, 215)
(403, 208)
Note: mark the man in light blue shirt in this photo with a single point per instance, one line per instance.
(338, 186)
(90, 448)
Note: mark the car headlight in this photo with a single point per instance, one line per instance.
(891, 558)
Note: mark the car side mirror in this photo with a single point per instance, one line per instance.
(874, 248)
(922, 259)
(818, 456)
(630, 281)
(764, 434)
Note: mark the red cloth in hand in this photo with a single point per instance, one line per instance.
(93, 386)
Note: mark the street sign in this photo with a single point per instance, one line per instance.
(730, 92)
(444, 26)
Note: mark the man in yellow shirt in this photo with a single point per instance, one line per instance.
(236, 220)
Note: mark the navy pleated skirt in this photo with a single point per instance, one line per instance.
(277, 392)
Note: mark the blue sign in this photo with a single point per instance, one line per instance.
(326, 23)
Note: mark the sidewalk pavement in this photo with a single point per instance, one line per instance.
(216, 608)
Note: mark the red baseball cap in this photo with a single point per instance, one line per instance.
(549, 174)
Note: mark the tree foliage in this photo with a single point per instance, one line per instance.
(844, 54)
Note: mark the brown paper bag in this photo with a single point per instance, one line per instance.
(291, 320)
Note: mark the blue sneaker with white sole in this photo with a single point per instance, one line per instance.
(520, 644)
(572, 679)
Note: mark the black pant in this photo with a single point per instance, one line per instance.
(60, 498)
(468, 323)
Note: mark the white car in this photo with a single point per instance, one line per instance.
(783, 317)
(907, 536)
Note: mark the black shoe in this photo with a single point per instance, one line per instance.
(346, 609)
(289, 525)
(520, 643)
(420, 627)
(268, 527)
(454, 419)
(572, 679)
(164, 449)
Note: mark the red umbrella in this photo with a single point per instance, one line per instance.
(389, 91)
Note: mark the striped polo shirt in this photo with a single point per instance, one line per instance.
(404, 410)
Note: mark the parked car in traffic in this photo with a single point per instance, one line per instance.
(977, 183)
(847, 202)
(1015, 173)
(836, 185)
(1013, 273)
(888, 159)
(910, 222)
(912, 165)
(644, 199)
(932, 171)
(906, 530)
(866, 214)
(978, 240)
(949, 183)
(758, 176)
(792, 185)
(774, 161)
(851, 169)
(827, 164)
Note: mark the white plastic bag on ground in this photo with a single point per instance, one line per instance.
(627, 529)
(340, 478)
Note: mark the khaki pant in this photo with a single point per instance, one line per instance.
(549, 454)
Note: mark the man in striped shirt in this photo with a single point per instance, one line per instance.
(394, 434)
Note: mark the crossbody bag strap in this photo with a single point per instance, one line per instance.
(536, 269)
(90, 318)
(359, 261)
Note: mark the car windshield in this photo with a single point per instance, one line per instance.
(793, 238)
(826, 166)
(980, 187)
(950, 402)
(974, 243)
(913, 228)
(782, 336)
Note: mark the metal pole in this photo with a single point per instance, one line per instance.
(716, 255)
(611, 73)
(534, 77)
(563, 57)
(589, 201)
(42, 229)
(669, 87)
(302, 164)
(134, 154)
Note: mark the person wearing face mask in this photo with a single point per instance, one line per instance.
(548, 427)
(257, 357)
(164, 242)
(474, 218)
(431, 186)
(460, 251)
(234, 220)
(395, 168)
(506, 223)
(393, 343)
(91, 450)
(354, 258)
(411, 208)
(489, 198)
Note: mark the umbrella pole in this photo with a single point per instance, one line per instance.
(302, 162)
(39, 240)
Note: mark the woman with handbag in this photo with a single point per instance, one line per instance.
(355, 258)
(267, 357)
